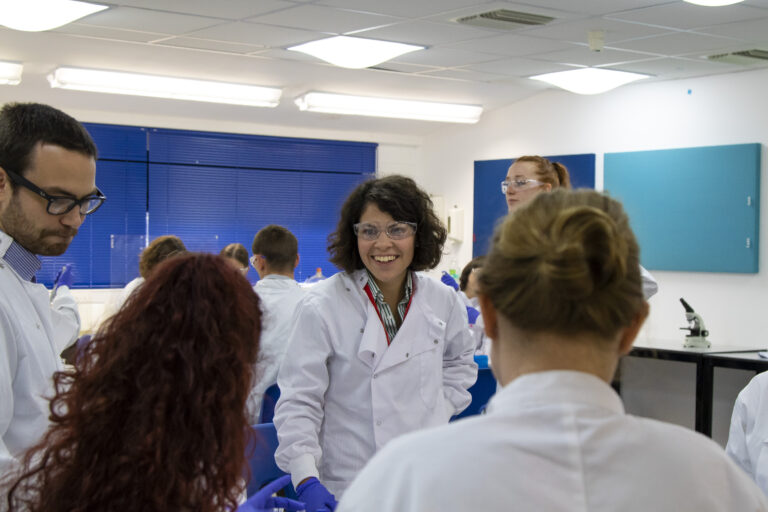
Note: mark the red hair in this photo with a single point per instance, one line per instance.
(153, 419)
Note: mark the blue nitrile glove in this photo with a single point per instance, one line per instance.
(472, 315)
(449, 280)
(316, 496)
(64, 277)
(263, 501)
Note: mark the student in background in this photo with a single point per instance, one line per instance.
(377, 350)
(530, 175)
(158, 250)
(153, 418)
(237, 255)
(467, 290)
(562, 300)
(47, 187)
(749, 431)
(275, 258)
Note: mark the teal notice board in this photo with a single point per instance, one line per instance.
(692, 209)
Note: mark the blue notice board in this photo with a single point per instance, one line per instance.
(489, 204)
(692, 209)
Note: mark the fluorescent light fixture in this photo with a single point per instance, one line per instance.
(39, 15)
(589, 80)
(10, 73)
(118, 82)
(713, 3)
(354, 52)
(386, 107)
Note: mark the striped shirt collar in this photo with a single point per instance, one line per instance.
(390, 324)
(23, 262)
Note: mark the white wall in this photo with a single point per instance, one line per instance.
(728, 109)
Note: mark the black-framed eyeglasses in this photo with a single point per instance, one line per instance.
(59, 205)
(394, 230)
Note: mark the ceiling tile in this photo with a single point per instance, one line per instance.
(675, 67)
(583, 56)
(518, 67)
(425, 33)
(444, 57)
(402, 8)
(467, 75)
(597, 7)
(511, 45)
(683, 15)
(256, 34)
(114, 34)
(207, 44)
(402, 67)
(577, 30)
(677, 43)
(754, 30)
(230, 9)
(148, 20)
(324, 19)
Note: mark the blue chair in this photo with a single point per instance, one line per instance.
(261, 459)
(268, 403)
(482, 390)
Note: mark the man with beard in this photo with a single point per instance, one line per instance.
(47, 187)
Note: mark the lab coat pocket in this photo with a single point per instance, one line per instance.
(431, 363)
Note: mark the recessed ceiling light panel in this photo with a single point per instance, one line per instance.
(39, 15)
(354, 52)
(713, 3)
(10, 73)
(589, 80)
(388, 107)
(118, 82)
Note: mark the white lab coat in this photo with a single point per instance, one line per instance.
(650, 286)
(553, 441)
(345, 393)
(279, 297)
(33, 331)
(748, 438)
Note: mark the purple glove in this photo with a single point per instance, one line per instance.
(263, 501)
(447, 279)
(316, 496)
(64, 277)
(472, 315)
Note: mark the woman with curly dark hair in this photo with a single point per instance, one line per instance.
(153, 418)
(376, 350)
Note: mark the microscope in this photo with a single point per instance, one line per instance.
(697, 336)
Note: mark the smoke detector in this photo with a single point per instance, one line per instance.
(504, 19)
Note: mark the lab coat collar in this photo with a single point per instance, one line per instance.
(276, 281)
(23, 262)
(557, 386)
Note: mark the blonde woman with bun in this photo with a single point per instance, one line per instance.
(562, 299)
(530, 175)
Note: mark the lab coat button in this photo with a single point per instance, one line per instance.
(406, 354)
(362, 330)
(378, 423)
(436, 342)
(375, 375)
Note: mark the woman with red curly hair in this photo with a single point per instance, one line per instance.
(153, 419)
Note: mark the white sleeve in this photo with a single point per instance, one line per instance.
(459, 367)
(65, 319)
(743, 419)
(650, 286)
(8, 357)
(303, 381)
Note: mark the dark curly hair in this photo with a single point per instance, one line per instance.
(401, 198)
(153, 419)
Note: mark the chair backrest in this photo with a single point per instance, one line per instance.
(261, 459)
(268, 402)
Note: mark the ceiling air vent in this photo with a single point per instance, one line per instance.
(744, 57)
(504, 19)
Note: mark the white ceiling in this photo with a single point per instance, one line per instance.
(245, 40)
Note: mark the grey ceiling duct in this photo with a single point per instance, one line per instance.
(745, 57)
(504, 19)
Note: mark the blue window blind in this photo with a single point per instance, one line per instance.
(489, 203)
(214, 199)
(104, 252)
(692, 209)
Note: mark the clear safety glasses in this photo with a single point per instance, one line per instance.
(520, 184)
(59, 205)
(394, 230)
